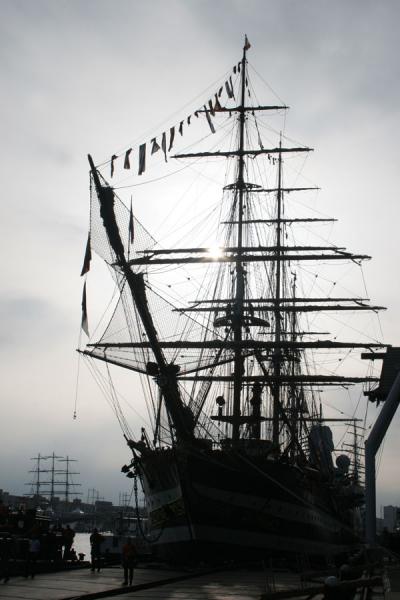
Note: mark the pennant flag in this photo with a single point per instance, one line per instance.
(142, 159)
(234, 69)
(238, 67)
(171, 138)
(84, 322)
(230, 81)
(188, 119)
(247, 44)
(220, 91)
(154, 146)
(181, 127)
(164, 145)
(88, 257)
(228, 89)
(217, 105)
(131, 224)
(127, 164)
(114, 156)
(210, 104)
(209, 119)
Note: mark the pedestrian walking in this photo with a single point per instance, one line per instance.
(129, 558)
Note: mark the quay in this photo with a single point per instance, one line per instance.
(149, 583)
(163, 583)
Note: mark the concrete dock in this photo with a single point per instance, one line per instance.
(158, 584)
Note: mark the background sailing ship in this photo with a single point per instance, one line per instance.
(239, 457)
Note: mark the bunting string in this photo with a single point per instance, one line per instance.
(209, 109)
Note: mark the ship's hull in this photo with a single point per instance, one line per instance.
(219, 505)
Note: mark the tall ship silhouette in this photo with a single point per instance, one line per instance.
(239, 457)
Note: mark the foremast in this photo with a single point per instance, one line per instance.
(166, 374)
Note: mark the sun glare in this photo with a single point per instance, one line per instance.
(215, 251)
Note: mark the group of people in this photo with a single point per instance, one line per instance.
(129, 556)
(20, 552)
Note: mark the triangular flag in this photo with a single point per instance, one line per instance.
(207, 113)
(171, 138)
(217, 105)
(247, 44)
(238, 67)
(234, 69)
(220, 91)
(114, 156)
(230, 81)
(131, 231)
(164, 145)
(154, 146)
(188, 119)
(228, 89)
(84, 322)
(210, 104)
(127, 164)
(88, 257)
(181, 127)
(142, 159)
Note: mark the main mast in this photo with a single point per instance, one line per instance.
(239, 294)
(277, 309)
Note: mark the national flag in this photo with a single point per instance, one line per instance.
(88, 257)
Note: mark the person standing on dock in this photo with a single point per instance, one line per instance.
(6, 557)
(95, 549)
(129, 556)
(33, 554)
(68, 540)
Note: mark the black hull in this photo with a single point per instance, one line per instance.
(222, 506)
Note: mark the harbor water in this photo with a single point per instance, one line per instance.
(82, 544)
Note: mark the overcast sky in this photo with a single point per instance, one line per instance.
(90, 76)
